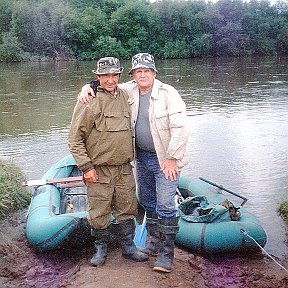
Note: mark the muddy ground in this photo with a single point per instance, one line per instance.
(21, 266)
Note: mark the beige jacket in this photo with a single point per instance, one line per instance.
(168, 120)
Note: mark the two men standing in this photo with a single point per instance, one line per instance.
(159, 128)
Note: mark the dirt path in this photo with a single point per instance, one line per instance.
(21, 266)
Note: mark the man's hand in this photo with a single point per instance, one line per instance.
(86, 94)
(170, 169)
(91, 176)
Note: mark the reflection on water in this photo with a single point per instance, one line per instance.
(237, 109)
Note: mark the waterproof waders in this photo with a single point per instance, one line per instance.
(102, 237)
(126, 232)
(168, 228)
(153, 235)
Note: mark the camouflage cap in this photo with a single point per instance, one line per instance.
(108, 65)
(143, 60)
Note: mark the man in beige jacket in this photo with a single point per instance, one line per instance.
(160, 128)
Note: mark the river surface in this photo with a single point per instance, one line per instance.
(238, 115)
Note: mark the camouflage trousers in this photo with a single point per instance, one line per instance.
(113, 196)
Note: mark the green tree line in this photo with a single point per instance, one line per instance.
(89, 29)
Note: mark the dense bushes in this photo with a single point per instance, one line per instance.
(10, 49)
(89, 29)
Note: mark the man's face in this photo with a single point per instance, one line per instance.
(144, 77)
(109, 82)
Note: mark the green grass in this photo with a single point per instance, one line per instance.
(283, 210)
(12, 195)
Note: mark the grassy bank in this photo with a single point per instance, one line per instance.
(283, 210)
(12, 196)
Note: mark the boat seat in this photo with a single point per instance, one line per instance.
(74, 199)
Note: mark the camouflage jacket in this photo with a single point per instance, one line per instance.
(100, 132)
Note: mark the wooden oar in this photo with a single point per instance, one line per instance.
(224, 189)
(40, 182)
(71, 184)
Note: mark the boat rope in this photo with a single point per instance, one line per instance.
(246, 234)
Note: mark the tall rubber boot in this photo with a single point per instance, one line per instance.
(102, 237)
(168, 228)
(153, 235)
(129, 250)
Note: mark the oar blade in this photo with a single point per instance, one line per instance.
(38, 182)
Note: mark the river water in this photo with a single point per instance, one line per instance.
(238, 115)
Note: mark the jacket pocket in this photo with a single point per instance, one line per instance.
(162, 119)
(117, 121)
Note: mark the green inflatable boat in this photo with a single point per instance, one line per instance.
(57, 215)
(210, 223)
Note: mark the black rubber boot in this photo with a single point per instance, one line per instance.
(168, 228)
(129, 250)
(153, 235)
(102, 237)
